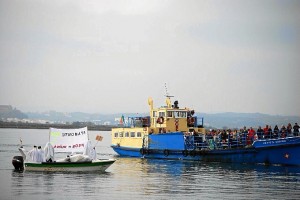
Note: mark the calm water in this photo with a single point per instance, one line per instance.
(130, 178)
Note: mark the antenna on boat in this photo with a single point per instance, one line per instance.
(167, 93)
(168, 100)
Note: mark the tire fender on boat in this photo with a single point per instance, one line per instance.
(142, 151)
(185, 153)
(193, 153)
(166, 152)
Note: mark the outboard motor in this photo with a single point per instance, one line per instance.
(18, 162)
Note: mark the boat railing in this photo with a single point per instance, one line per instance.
(216, 142)
(241, 140)
(276, 135)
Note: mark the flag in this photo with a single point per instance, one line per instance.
(122, 120)
(99, 138)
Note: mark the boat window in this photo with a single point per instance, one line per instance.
(183, 114)
(169, 114)
(161, 114)
(121, 134)
(138, 134)
(126, 134)
(154, 113)
(116, 134)
(132, 134)
(180, 114)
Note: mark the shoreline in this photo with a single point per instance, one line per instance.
(19, 125)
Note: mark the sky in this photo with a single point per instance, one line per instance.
(103, 56)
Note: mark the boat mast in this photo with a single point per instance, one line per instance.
(168, 100)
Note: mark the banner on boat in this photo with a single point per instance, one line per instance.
(68, 140)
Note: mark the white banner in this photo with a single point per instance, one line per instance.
(68, 140)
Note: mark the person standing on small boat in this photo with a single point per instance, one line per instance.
(49, 152)
(40, 155)
(33, 154)
(93, 154)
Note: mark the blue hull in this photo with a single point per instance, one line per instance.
(278, 151)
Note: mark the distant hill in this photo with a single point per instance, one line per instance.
(238, 120)
(7, 111)
(218, 120)
(76, 116)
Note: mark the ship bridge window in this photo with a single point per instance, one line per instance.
(180, 114)
(126, 134)
(121, 134)
(161, 114)
(132, 134)
(138, 134)
(116, 134)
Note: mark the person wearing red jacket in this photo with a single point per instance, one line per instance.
(266, 132)
(250, 136)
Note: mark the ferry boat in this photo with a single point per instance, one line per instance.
(173, 132)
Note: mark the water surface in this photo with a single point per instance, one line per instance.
(135, 178)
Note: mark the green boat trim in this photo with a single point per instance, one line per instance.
(69, 166)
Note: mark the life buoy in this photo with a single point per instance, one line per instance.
(160, 120)
(185, 153)
(191, 121)
(166, 152)
(176, 124)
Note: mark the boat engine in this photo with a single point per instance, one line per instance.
(18, 162)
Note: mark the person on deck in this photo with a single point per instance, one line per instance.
(260, 132)
(282, 132)
(289, 130)
(224, 136)
(266, 132)
(250, 136)
(275, 132)
(270, 132)
(296, 129)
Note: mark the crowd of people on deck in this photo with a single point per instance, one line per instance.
(248, 135)
(39, 155)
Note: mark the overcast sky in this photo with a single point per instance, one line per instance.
(110, 56)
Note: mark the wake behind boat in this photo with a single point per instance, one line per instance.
(63, 141)
(170, 132)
